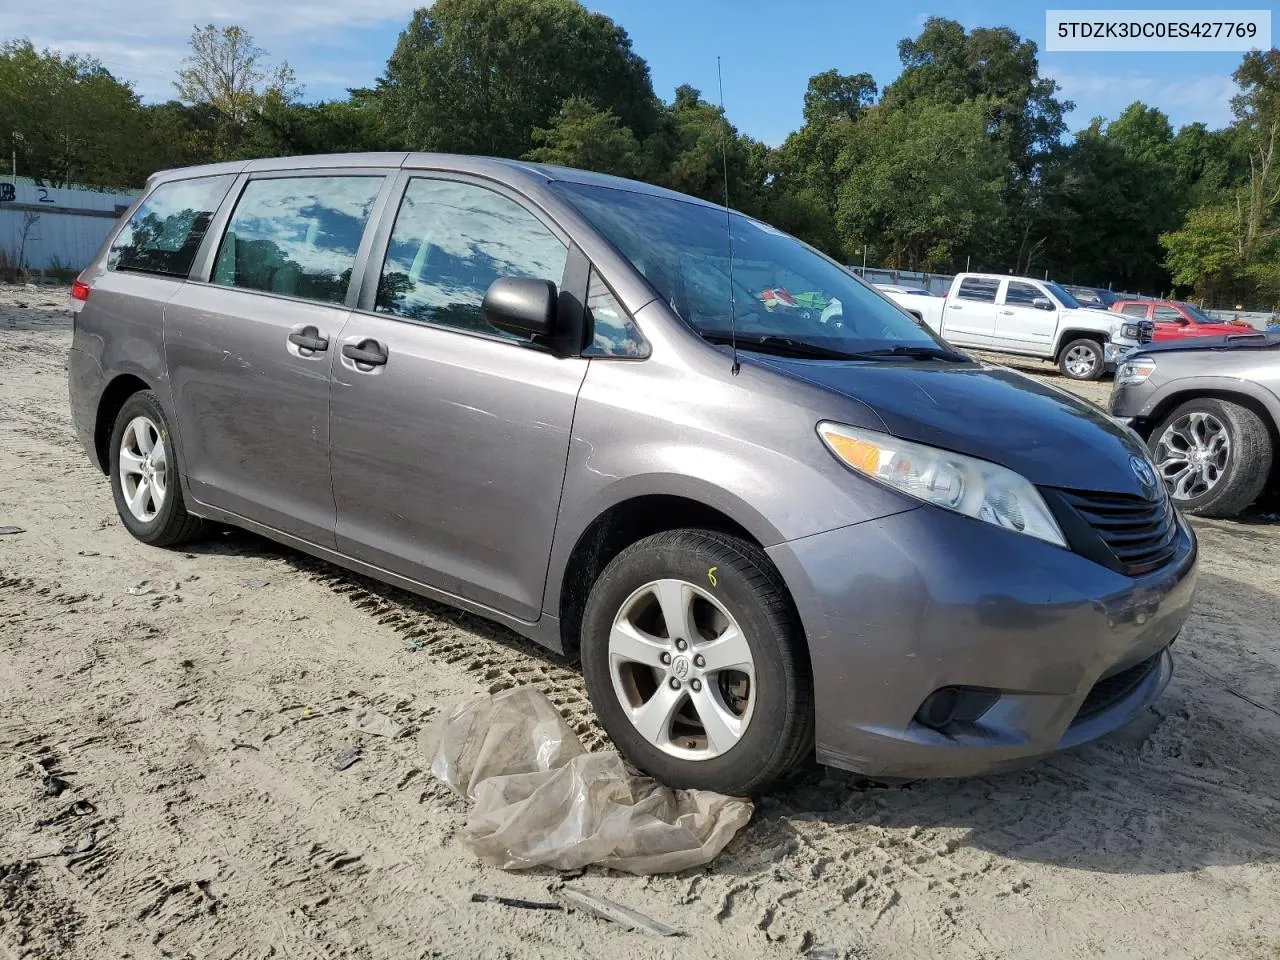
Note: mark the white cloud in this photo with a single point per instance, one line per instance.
(1186, 99)
(144, 41)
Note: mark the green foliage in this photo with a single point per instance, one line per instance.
(920, 183)
(76, 121)
(584, 136)
(477, 76)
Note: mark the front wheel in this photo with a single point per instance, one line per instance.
(696, 664)
(1214, 456)
(1082, 360)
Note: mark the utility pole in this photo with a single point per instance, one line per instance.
(864, 259)
(17, 138)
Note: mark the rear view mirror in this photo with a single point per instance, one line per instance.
(1042, 303)
(521, 306)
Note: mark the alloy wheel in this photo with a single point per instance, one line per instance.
(144, 468)
(1192, 454)
(682, 669)
(1080, 361)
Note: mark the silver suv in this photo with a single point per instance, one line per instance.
(765, 508)
(1209, 409)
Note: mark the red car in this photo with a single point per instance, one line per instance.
(1175, 320)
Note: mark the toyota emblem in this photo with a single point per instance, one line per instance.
(1142, 470)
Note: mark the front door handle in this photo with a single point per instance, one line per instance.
(954, 306)
(368, 352)
(308, 338)
(1007, 313)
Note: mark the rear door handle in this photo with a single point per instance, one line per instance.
(368, 352)
(954, 306)
(308, 338)
(1007, 313)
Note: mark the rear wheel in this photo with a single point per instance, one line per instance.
(144, 475)
(1082, 360)
(695, 662)
(1214, 456)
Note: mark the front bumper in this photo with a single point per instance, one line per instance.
(1116, 353)
(897, 608)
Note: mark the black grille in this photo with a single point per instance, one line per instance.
(1133, 535)
(1111, 690)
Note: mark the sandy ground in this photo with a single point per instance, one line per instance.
(194, 720)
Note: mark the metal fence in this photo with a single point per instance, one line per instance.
(44, 228)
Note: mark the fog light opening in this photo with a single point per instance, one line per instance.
(948, 706)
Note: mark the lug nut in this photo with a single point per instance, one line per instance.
(697, 685)
(699, 661)
(675, 684)
(680, 644)
(666, 658)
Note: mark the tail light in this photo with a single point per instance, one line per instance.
(79, 293)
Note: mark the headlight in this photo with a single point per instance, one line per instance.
(1134, 371)
(976, 488)
(1130, 331)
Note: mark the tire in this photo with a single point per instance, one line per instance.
(727, 582)
(1073, 356)
(1223, 482)
(157, 515)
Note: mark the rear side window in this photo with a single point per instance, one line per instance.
(296, 236)
(1021, 294)
(165, 232)
(977, 288)
(450, 242)
(613, 333)
(1134, 309)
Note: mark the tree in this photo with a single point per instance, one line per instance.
(226, 71)
(584, 136)
(478, 76)
(922, 183)
(1257, 112)
(77, 122)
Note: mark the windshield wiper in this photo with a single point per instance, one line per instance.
(918, 352)
(782, 346)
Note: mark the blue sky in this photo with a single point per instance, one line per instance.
(769, 49)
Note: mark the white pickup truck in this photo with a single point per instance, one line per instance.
(1028, 318)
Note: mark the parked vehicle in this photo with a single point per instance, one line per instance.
(1094, 298)
(549, 397)
(1030, 318)
(1175, 320)
(911, 291)
(1209, 410)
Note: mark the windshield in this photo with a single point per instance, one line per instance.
(782, 289)
(1064, 298)
(1196, 314)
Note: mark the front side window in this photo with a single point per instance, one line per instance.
(1196, 314)
(296, 236)
(451, 240)
(613, 333)
(1022, 294)
(1167, 315)
(1134, 309)
(166, 230)
(980, 289)
(776, 293)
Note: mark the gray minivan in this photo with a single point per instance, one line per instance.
(767, 510)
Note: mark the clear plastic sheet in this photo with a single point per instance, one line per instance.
(541, 800)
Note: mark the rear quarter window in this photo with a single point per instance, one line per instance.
(166, 230)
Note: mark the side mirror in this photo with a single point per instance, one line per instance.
(1042, 303)
(519, 305)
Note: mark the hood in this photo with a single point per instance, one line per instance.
(1051, 437)
(1238, 339)
(1097, 318)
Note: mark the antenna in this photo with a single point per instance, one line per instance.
(728, 229)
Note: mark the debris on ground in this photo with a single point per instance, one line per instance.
(542, 800)
(517, 902)
(257, 584)
(377, 724)
(53, 786)
(141, 589)
(10, 531)
(346, 758)
(606, 909)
